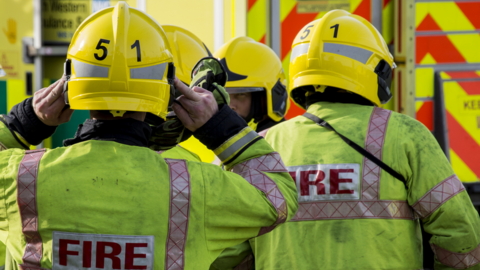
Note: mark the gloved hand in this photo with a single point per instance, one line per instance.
(168, 134)
(209, 74)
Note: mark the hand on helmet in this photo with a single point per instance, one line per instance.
(195, 107)
(49, 104)
(209, 74)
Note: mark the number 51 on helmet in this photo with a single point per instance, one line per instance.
(344, 51)
(119, 60)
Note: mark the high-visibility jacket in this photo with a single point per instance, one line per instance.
(352, 214)
(106, 205)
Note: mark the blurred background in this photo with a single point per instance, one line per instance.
(435, 45)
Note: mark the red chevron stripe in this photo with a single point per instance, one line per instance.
(462, 74)
(385, 3)
(471, 11)
(425, 114)
(364, 10)
(440, 47)
(463, 144)
(293, 111)
(262, 40)
(428, 24)
(472, 87)
(290, 27)
(250, 4)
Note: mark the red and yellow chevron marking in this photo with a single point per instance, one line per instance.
(462, 103)
(447, 48)
(460, 74)
(424, 113)
(257, 20)
(387, 21)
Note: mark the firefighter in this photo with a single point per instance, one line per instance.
(256, 82)
(367, 178)
(187, 49)
(107, 201)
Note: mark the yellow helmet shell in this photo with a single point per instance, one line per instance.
(251, 64)
(339, 50)
(187, 50)
(120, 60)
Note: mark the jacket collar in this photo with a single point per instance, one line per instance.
(124, 131)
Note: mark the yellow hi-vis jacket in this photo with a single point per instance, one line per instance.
(352, 214)
(106, 205)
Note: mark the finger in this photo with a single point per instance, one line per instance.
(186, 91)
(183, 115)
(66, 115)
(200, 90)
(42, 93)
(55, 93)
(186, 103)
(57, 106)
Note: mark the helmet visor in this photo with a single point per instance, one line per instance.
(236, 90)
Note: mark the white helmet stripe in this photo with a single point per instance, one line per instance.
(88, 70)
(355, 53)
(299, 50)
(149, 73)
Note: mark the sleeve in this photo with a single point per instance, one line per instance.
(22, 128)
(254, 195)
(440, 200)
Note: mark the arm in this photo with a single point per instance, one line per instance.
(34, 119)
(441, 202)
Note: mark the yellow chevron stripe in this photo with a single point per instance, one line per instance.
(467, 45)
(286, 65)
(444, 75)
(461, 169)
(354, 4)
(447, 15)
(286, 6)
(428, 60)
(424, 82)
(418, 105)
(256, 22)
(387, 22)
(478, 72)
(454, 102)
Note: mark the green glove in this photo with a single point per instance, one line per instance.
(209, 74)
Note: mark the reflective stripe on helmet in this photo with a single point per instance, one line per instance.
(299, 50)
(236, 90)
(88, 70)
(149, 73)
(253, 171)
(355, 53)
(438, 195)
(225, 154)
(179, 214)
(27, 204)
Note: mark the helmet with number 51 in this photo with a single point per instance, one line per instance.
(119, 60)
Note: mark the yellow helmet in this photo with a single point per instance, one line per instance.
(2, 73)
(344, 51)
(187, 50)
(254, 67)
(119, 60)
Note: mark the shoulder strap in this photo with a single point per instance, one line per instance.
(355, 146)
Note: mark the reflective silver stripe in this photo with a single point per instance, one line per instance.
(299, 50)
(87, 70)
(457, 260)
(237, 145)
(356, 53)
(149, 73)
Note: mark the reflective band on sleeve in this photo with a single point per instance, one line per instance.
(457, 260)
(225, 154)
(299, 50)
(324, 210)
(179, 214)
(253, 171)
(83, 70)
(27, 204)
(371, 172)
(355, 53)
(149, 73)
(437, 196)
